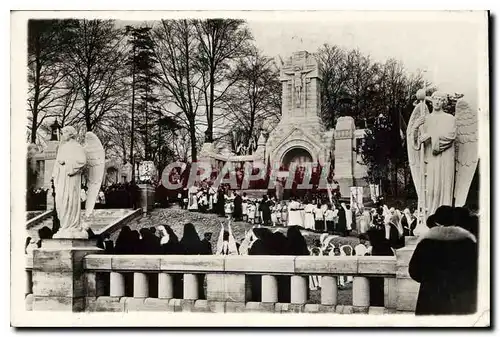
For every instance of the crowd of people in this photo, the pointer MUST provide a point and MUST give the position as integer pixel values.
(444, 262)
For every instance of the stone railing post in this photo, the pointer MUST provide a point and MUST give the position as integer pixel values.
(141, 286)
(58, 274)
(116, 284)
(329, 290)
(269, 289)
(165, 285)
(360, 294)
(406, 288)
(190, 287)
(299, 290)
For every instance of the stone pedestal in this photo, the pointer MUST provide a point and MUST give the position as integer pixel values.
(58, 277)
(344, 155)
(406, 288)
(146, 197)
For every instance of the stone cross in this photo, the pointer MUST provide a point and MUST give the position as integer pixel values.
(298, 71)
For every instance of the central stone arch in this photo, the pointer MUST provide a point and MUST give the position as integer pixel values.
(297, 154)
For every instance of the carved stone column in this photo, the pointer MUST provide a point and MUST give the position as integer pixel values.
(269, 289)
(298, 286)
(329, 290)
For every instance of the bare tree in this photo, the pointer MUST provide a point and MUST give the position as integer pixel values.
(252, 99)
(47, 43)
(221, 42)
(95, 63)
(175, 48)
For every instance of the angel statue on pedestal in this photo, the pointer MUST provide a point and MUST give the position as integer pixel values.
(443, 154)
(71, 160)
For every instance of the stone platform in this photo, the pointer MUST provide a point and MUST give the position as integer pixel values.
(104, 220)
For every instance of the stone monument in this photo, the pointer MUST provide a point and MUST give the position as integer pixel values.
(300, 136)
(300, 132)
(67, 175)
(443, 154)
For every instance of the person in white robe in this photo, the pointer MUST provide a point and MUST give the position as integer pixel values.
(244, 206)
(251, 212)
(70, 160)
(294, 217)
(309, 216)
(364, 221)
(348, 217)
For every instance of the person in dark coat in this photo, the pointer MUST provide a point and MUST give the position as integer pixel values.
(380, 246)
(221, 199)
(207, 246)
(169, 242)
(238, 207)
(264, 207)
(135, 243)
(297, 246)
(342, 222)
(261, 246)
(149, 243)
(190, 244)
(122, 245)
(445, 264)
(408, 222)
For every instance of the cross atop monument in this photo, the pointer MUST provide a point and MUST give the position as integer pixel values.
(299, 76)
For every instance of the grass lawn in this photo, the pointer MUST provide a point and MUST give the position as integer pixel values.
(176, 218)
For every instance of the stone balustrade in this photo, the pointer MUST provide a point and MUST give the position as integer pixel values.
(227, 283)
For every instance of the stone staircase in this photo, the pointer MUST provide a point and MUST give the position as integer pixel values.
(103, 221)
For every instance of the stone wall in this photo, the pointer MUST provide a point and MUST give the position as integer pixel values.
(71, 275)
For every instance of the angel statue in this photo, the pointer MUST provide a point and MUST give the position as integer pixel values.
(71, 159)
(443, 154)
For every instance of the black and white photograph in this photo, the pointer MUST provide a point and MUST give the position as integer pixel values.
(314, 168)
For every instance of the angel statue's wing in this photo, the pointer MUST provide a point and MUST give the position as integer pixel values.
(412, 137)
(466, 151)
(95, 164)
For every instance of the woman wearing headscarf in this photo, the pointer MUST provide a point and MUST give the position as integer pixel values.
(123, 243)
(409, 222)
(393, 232)
(169, 245)
(297, 246)
(169, 242)
(149, 243)
(445, 264)
(261, 246)
(190, 244)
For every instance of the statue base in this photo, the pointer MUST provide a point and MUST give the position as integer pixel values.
(59, 279)
(71, 234)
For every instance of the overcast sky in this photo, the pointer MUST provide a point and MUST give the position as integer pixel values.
(448, 50)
